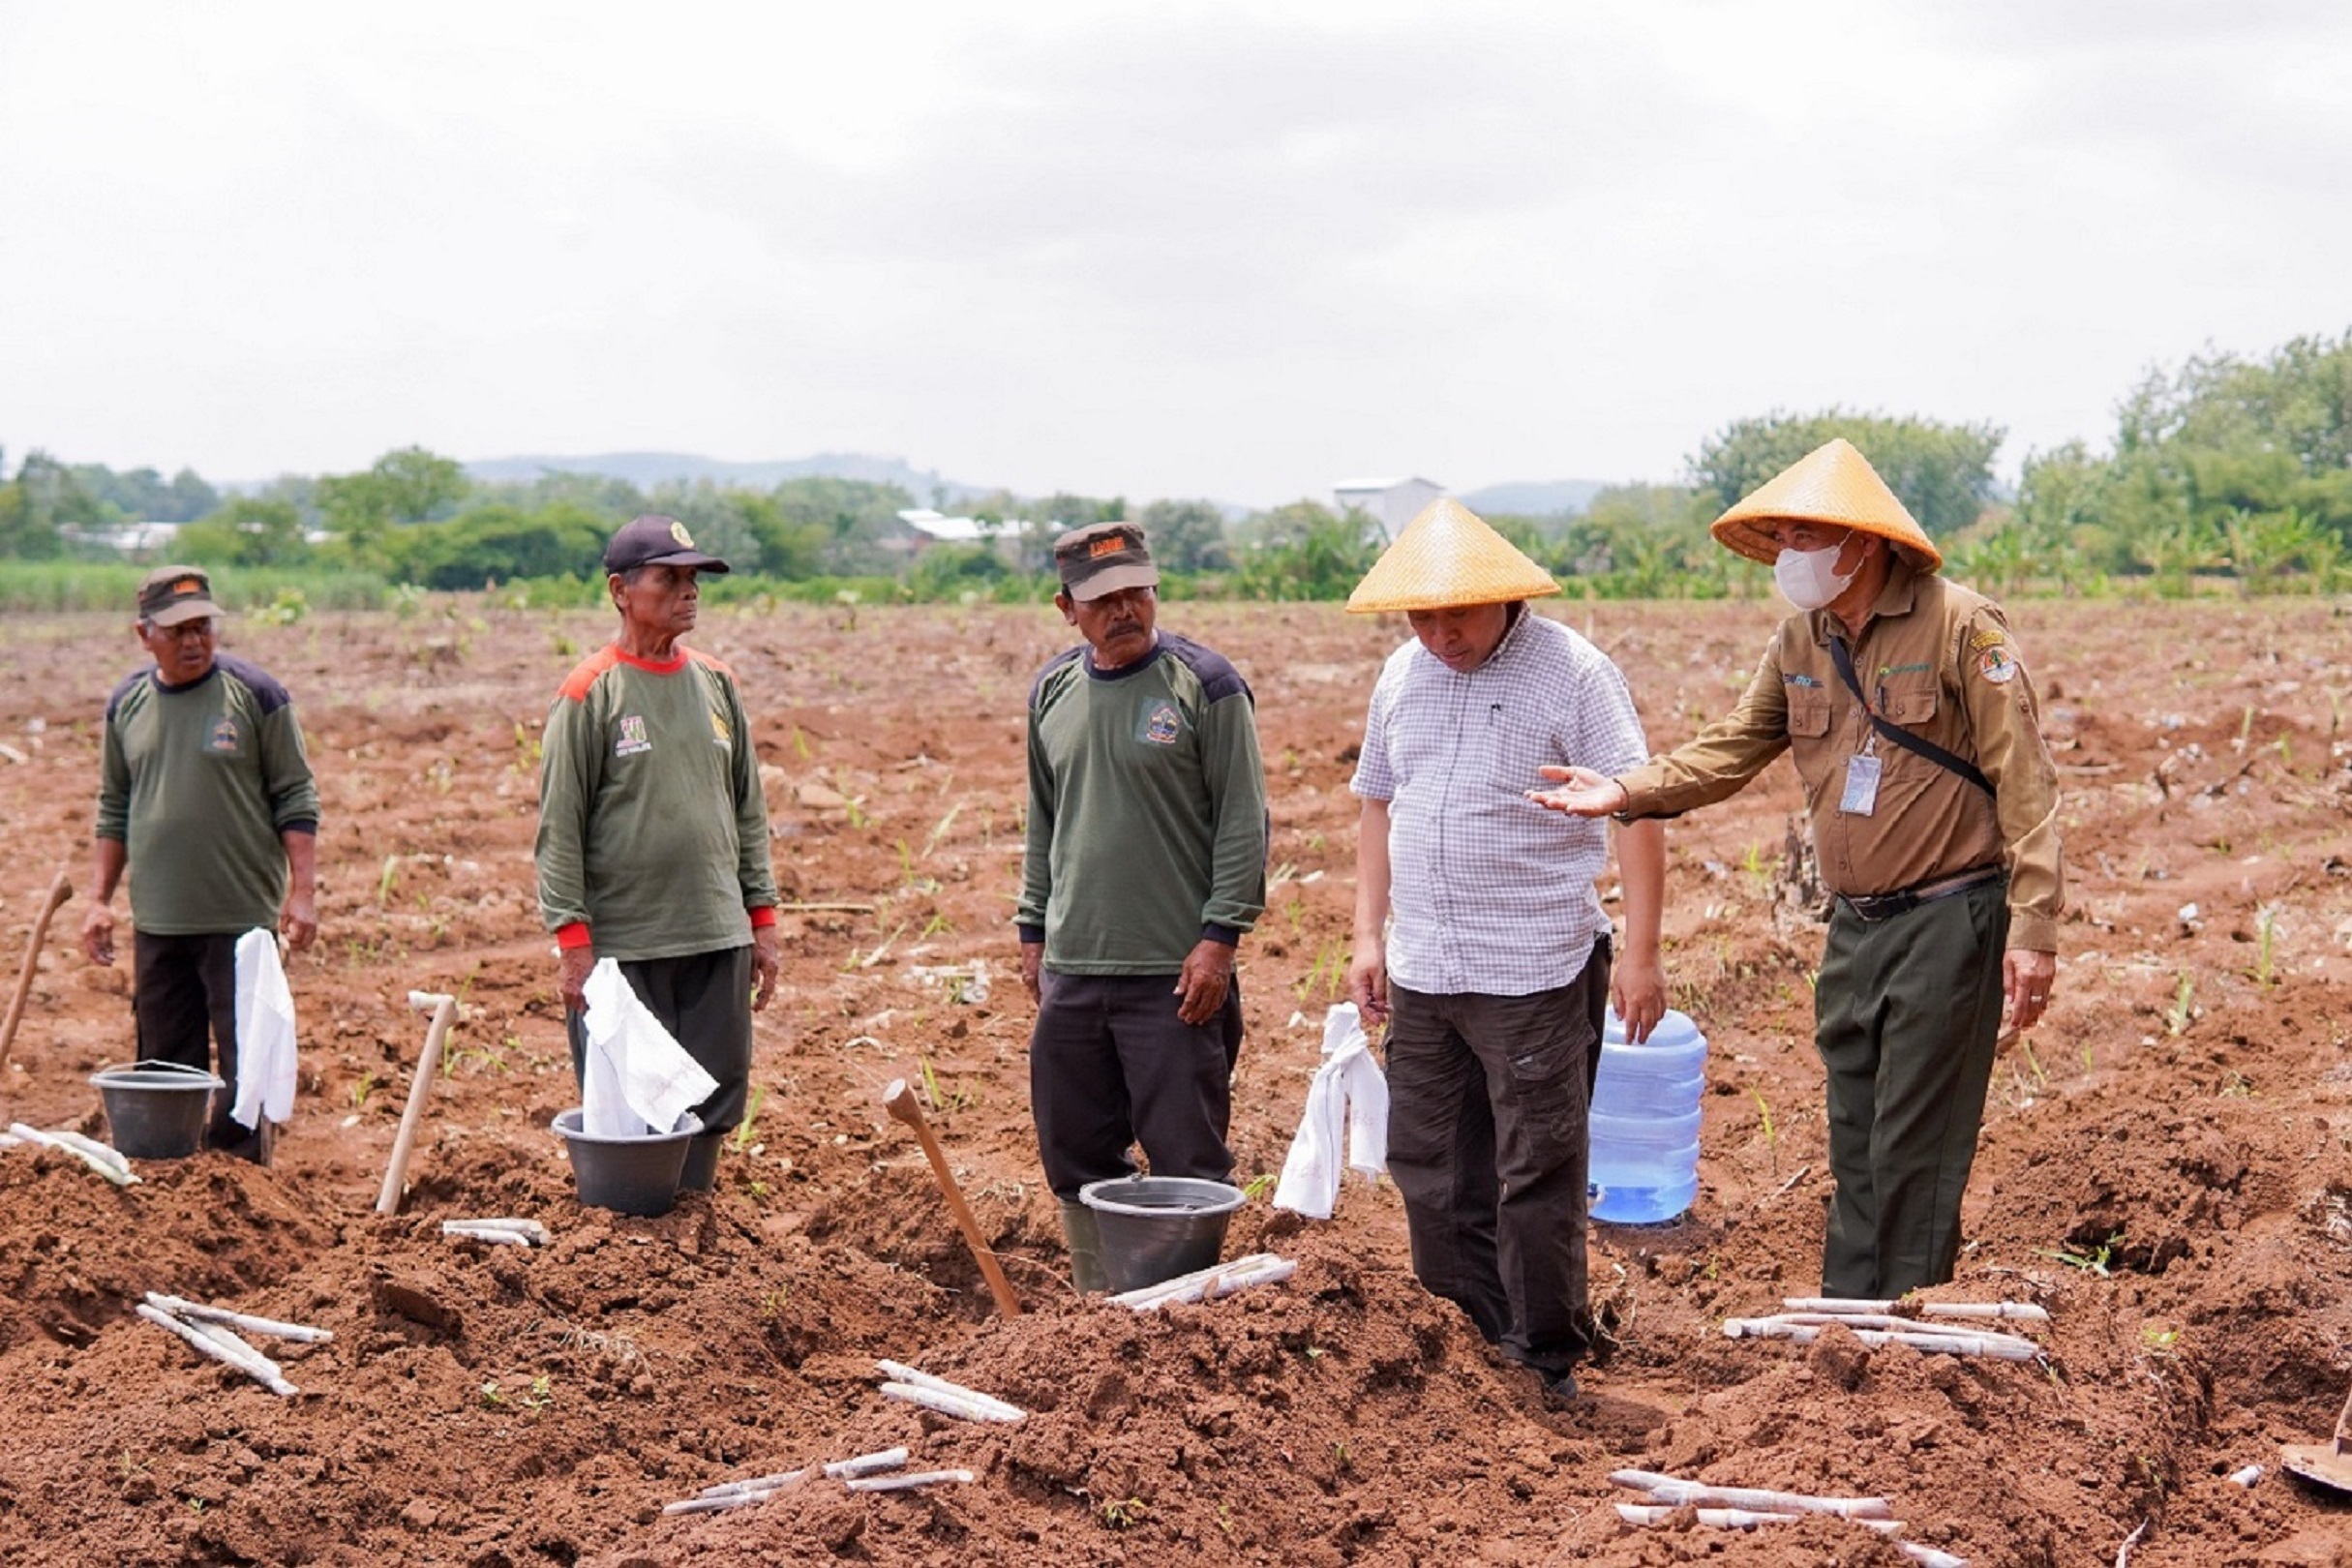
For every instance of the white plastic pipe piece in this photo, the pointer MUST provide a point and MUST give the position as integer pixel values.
(962, 1405)
(721, 1502)
(1997, 1347)
(1757, 1326)
(29, 1134)
(489, 1235)
(758, 1483)
(1258, 1268)
(195, 1312)
(1667, 1489)
(93, 1149)
(222, 1351)
(849, 1469)
(902, 1483)
(899, 1372)
(1215, 1283)
(2017, 1312)
(532, 1228)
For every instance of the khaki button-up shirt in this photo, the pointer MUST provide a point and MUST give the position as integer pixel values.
(1938, 661)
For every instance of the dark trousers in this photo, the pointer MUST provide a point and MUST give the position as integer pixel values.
(1111, 1066)
(184, 1000)
(1489, 1099)
(704, 999)
(1906, 1014)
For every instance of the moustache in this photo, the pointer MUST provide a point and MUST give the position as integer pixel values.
(1124, 628)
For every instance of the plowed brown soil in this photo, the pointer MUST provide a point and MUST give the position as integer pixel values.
(2167, 1163)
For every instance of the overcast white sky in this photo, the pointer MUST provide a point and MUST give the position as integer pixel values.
(1237, 250)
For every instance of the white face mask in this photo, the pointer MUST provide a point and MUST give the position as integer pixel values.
(1809, 578)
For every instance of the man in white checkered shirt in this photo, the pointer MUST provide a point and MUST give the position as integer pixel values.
(1479, 935)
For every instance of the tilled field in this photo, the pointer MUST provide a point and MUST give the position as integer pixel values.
(2167, 1164)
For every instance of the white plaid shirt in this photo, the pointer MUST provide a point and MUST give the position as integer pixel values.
(1489, 893)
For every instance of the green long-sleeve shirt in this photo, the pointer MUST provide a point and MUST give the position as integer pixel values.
(200, 784)
(652, 835)
(1147, 811)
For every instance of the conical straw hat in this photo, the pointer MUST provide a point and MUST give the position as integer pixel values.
(1833, 484)
(1447, 558)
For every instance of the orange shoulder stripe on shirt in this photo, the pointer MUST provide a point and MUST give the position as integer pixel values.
(720, 665)
(584, 676)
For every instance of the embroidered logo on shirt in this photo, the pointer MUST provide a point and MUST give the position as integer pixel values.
(1995, 665)
(1885, 670)
(1162, 725)
(223, 736)
(1986, 639)
(719, 736)
(632, 736)
(1793, 678)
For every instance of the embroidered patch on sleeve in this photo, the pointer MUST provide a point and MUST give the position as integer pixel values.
(1995, 665)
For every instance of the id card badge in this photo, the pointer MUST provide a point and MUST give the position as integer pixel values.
(1861, 796)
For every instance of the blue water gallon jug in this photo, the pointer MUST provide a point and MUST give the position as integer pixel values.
(1645, 1122)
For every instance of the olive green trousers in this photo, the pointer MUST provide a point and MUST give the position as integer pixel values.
(1905, 1013)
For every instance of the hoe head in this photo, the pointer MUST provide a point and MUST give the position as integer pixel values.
(2326, 1464)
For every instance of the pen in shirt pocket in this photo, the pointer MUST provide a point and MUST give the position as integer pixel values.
(1493, 713)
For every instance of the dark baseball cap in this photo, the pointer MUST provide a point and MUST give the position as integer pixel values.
(654, 540)
(173, 595)
(1104, 559)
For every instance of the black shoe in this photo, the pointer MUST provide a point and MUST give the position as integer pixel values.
(1562, 1389)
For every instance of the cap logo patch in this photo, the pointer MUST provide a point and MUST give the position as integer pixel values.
(1110, 544)
(677, 531)
(188, 585)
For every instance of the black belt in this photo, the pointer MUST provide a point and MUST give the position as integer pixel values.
(1903, 900)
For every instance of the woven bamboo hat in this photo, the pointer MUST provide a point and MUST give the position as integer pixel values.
(1833, 484)
(1445, 558)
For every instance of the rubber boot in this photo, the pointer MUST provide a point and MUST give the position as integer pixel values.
(1083, 1231)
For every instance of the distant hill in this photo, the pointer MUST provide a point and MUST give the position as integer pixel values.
(648, 468)
(1534, 497)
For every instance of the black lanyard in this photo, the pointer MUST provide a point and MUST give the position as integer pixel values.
(1899, 736)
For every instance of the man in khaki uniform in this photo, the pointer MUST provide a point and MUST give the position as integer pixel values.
(1904, 701)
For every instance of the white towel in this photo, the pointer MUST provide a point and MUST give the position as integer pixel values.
(638, 1078)
(265, 1032)
(1349, 1095)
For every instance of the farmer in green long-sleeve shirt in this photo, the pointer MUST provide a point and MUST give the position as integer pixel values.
(652, 845)
(205, 794)
(1146, 861)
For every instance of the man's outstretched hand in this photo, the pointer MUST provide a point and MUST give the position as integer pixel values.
(1582, 793)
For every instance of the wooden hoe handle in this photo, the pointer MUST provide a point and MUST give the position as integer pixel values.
(427, 1067)
(60, 890)
(899, 1100)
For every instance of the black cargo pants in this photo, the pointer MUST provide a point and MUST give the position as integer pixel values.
(183, 990)
(704, 999)
(1111, 1066)
(1489, 1105)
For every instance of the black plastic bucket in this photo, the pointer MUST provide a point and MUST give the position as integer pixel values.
(1157, 1227)
(632, 1175)
(157, 1110)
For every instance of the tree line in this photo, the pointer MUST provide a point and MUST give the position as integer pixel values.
(2225, 469)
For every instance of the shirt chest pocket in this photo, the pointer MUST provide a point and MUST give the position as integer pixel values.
(1808, 714)
(1913, 709)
